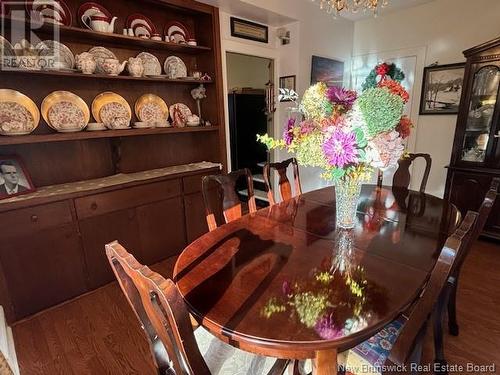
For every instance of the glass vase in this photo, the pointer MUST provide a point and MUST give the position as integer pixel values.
(347, 193)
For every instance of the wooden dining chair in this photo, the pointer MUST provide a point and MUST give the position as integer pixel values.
(228, 197)
(402, 175)
(162, 313)
(484, 213)
(400, 342)
(285, 187)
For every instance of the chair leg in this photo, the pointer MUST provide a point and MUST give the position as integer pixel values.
(439, 360)
(452, 310)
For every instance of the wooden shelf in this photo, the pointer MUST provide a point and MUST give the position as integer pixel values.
(61, 137)
(54, 73)
(113, 38)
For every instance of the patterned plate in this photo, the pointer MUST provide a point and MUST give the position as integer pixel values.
(112, 110)
(175, 67)
(65, 112)
(100, 54)
(55, 55)
(177, 30)
(151, 109)
(51, 11)
(151, 64)
(7, 54)
(19, 115)
(141, 25)
(179, 114)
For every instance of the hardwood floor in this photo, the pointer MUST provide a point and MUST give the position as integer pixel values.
(98, 333)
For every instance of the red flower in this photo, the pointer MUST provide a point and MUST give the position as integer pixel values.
(382, 69)
(404, 127)
(395, 88)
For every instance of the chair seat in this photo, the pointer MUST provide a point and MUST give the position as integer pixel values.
(369, 357)
(224, 359)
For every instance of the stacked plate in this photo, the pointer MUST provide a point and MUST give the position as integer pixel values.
(65, 112)
(141, 25)
(51, 11)
(152, 111)
(112, 110)
(176, 32)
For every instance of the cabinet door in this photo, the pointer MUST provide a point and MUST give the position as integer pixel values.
(43, 269)
(97, 231)
(468, 190)
(162, 230)
(196, 223)
(479, 139)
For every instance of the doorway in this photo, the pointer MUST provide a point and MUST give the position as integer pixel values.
(248, 81)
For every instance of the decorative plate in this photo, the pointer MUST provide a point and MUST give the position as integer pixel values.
(175, 67)
(177, 30)
(7, 53)
(51, 11)
(100, 54)
(151, 64)
(112, 110)
(151, 109)
(88, 9)
(141, 25)
(19, 115)
(179, 114)
(55, 55)
(65, 112)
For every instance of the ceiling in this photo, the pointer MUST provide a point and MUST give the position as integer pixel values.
(394, 5)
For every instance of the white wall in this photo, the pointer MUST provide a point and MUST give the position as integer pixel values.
(444, 28)
(246, 71)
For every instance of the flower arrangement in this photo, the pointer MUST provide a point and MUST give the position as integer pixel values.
(349, 134)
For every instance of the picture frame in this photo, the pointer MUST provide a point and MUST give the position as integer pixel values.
(327, 70)
(249, 30)
(14, 177)
(441, 89)
(288, 83)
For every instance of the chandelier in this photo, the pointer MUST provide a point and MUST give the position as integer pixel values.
(336, 7)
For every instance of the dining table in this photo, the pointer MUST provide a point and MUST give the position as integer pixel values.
(286, 282)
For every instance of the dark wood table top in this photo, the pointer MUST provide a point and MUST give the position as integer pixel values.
(284, 282)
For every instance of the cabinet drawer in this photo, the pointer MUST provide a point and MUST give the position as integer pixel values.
(33, 219)
(192, 184)
(103, 203)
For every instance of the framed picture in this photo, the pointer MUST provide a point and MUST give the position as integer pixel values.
(327, 70)
(249, 30)
(14, 178)
(288, 83)
(441, 89)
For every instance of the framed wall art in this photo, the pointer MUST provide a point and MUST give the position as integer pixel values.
(249, 30)
(327, 70)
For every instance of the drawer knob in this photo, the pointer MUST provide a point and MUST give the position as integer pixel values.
(34, 218)
(93, 206)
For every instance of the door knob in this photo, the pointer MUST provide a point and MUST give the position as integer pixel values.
(497, 135)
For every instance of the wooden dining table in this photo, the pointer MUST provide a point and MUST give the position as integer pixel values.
(285, 282)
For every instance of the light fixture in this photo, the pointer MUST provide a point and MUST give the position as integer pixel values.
(338, 7)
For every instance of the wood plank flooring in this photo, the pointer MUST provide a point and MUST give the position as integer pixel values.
(98, 333)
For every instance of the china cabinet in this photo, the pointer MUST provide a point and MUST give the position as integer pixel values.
(138, 186)
(475, 158)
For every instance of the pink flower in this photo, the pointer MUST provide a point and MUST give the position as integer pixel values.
(385, 150)
(341, 96)
(340, 149)
(288, 133)
(325, 328)
(307, 127)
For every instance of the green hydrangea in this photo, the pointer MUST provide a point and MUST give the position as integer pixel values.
(310, 151)
(315, 105)
(381, 110)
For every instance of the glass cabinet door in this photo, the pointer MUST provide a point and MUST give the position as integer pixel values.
(483, 99)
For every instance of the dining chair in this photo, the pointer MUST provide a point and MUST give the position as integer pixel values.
(285, 186)
(484, 213)
(400, 342)
(228, 197)
(402, 175)
(163, 316)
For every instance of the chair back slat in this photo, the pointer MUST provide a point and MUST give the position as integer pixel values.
(424, 306)
(230, 202)
(402, 175)
(162, 313)
(285, 187)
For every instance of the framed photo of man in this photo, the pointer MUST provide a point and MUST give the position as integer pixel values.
(14, 178)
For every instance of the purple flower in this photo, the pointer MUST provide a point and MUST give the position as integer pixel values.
(340, 149)
(286, 288)
(325, 328)
(288, 133)
(341, 96)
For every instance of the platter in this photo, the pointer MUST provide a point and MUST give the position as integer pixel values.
(19, 115)
(176, 32)
(141, 25)
(65, 112)
(151, 109)
(175, 67)
(112, 110)
(179, 114)
(152, 66)
(55, 55)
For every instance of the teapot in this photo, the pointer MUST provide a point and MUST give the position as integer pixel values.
(86, 63)
(135, 67)
(112, 67)
(98, 21)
